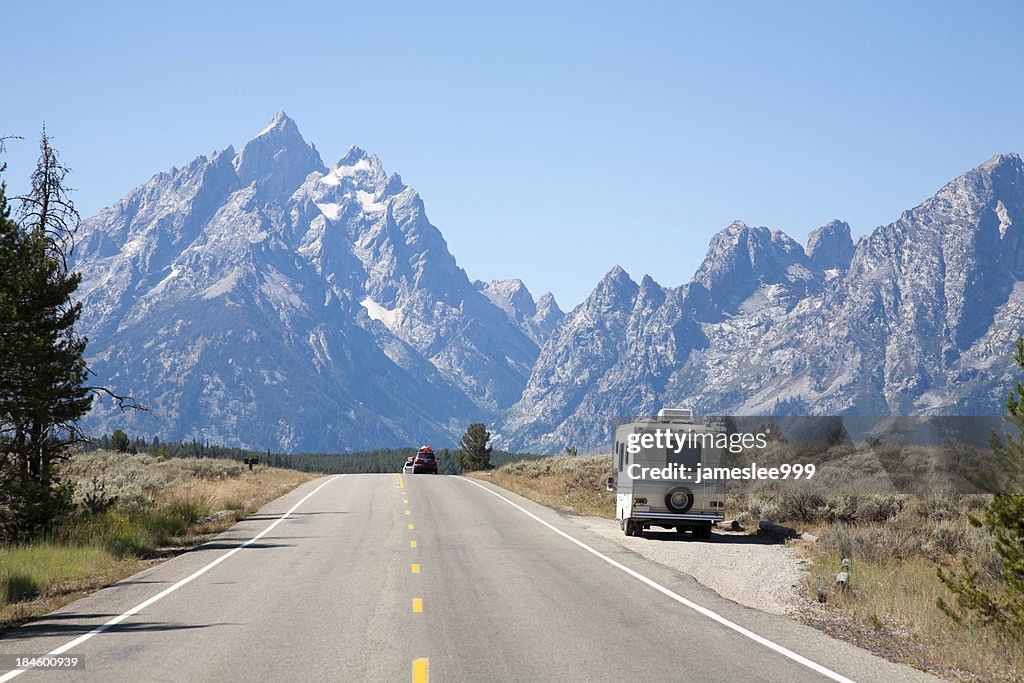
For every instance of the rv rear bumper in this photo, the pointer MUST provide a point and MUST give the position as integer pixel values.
(676, 517)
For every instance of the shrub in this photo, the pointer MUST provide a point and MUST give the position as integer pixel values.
(95, 499)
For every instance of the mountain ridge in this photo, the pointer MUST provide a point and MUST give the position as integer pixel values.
(917, 316)
(262, 298)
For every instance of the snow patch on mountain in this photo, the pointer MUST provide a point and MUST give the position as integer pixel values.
(377, 312)
(329, 209)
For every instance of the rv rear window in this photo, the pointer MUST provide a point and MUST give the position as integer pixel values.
(688, 456)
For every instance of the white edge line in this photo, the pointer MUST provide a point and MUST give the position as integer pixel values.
(675, 596)
(167, 591)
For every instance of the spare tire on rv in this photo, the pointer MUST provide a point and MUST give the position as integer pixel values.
(679, 499)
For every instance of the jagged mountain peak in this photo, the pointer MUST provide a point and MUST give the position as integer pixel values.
(394, 184)
(649, 293)
(353, 155)
(978, 188)
(747, 242)
(648, 282)
(281, 133)
(735, 227)
(363, 171)
(280, 122)
(537, 319)
(548, 310)
(547, 299)
(509, 292)
(226, 153)
(617, 276)
(740, 259)
(830, 246)
(835, 224)
(1001, 161)
(615, 290)
(277, 159)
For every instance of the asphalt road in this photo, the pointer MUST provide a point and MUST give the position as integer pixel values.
(391, 578)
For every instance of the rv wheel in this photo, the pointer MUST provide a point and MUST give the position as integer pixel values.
(679, 499)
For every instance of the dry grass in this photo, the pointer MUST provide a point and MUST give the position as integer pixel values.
(567, 483)
(896, 544)
(144, 509)
(145, 481)
(891, 610)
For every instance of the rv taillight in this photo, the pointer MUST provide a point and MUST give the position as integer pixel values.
(639, 501)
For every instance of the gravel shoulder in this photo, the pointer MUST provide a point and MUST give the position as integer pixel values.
(747, 569)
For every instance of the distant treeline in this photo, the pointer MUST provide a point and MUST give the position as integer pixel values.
(361, 462)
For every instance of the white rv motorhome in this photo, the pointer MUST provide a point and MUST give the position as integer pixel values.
(670, 444)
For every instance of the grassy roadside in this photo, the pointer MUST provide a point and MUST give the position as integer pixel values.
(574, 484)
(133, 511)
(895, 542)
(890, 607)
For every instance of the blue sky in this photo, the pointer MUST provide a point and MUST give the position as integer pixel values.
(550, 141)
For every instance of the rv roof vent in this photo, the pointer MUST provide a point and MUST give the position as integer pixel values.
(683, 414)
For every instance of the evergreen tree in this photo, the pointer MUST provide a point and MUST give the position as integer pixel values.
(119, 441)
(999, 603)
(474, 453)
(42, 368)
(10, 255)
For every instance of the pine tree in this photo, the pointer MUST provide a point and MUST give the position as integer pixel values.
(120, 442)
(9, 295)
(1000, 603)
(474, 453)
(42, 366)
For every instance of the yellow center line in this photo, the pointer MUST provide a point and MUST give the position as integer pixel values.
(417, 605)
(407, 512)
(405, 501)
(412, 544)
(415, 568)
(410, 527)
(421, 670)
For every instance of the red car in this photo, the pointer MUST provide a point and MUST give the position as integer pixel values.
(424, 461)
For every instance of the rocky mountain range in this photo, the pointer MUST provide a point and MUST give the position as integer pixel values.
(261, 298)
(917, 317)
